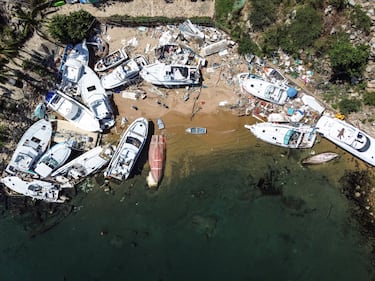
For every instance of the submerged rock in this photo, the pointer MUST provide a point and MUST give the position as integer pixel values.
(205, 225)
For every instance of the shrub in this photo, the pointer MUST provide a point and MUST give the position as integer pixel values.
(247, 46)
(369, 98)
(348, 106)
(360, 19)
(263, 13)
(338, 4)
(71, 28)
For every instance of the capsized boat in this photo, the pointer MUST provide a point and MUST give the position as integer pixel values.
(95, 98)
(196, 130)
(156, 158)
(348, 137)
(55, 157)
(320, 158)
(128, 150)
(124, 73)
(176, 75)
(30, 147)
(37, 189)
(73, 111)
(284, 135)
(84, 165)
(111, 60)
(274, 93)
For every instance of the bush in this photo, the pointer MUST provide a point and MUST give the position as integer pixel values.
(369, 98)
(247, 46)
(348, 106)
(360, 19)
(72, 28)
(347, 61)
(263, 13)
(338, 4)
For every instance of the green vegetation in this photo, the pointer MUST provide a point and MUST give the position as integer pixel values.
(263, 13)
(348, 106)
(247, 46)
(338, 4)
(360, 19)
(4, 133)
(369, 98)
(71, 28)
(347, 61)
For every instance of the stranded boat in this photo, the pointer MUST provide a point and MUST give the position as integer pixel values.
(196, 130)
(37, 189)
(111, 60)
(156, 158)
(348, 137)
(174, 75)
(73, 111)
(284, 135)
(320, 158)
(31, 146)
(268, 91)
(128, 150)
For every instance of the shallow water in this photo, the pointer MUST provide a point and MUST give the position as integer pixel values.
(208, 221)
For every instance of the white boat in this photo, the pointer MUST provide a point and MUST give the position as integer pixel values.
(320, 158)
(84, 165)
(37, 189)
(95, 98)
(128, 150)
(284, 135)
(73, 111)
(55, 157)
(274, 75)
(111, 60)
(124, 73)
(268, 91)
(190, 31)
(174, 75)
(30, 147)
(173, 53)
(196, 130)
(73, 67)
(348, 137)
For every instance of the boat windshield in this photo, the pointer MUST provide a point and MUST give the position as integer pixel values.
(134, 141)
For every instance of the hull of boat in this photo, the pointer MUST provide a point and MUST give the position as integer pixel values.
(111, 60)
(320, 158)
(32, 144)
(84, 165)
(128, 150)
(284, 135)
(54, 158)
(156, 157)
(348, 137)
(73, 111)
(37, 189)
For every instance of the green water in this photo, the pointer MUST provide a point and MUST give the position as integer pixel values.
(208, 221)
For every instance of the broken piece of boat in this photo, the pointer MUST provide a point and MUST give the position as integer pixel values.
(320, 158)
(173, 53)
(30, 147)
(37, 189)
(111, 60)
(128, 150)
(73, 111)
(190, 31)
(176, 75)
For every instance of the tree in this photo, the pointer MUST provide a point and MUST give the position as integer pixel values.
(347, 61)
(263, 13)
(72, 28)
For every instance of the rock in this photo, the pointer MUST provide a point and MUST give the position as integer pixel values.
(357, 194)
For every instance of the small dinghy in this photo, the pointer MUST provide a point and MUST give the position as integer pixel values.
(196, 130)
(111, 60)
(320, 158)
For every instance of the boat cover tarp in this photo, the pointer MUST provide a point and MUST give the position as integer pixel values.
(292, 92)
(287, 136)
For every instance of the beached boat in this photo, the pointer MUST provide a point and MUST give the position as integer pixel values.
(55, 157)
(268, 91)
(196, 130)
(173, 53)
(348, 137)
(160, 74)
(73, 111)
(160, 124)
(274, 75)
(111, 60)
(30, 147)
(190, 31)
(37, 189)
(320, 158)
(124, 73)
(284, 135)
(73, 66)
(156, 157)
(95, 98)
(128, 150)
(84, 165)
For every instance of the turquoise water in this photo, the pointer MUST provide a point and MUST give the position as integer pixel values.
(210, 221)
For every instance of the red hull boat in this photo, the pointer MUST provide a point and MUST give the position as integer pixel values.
(156, 157)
